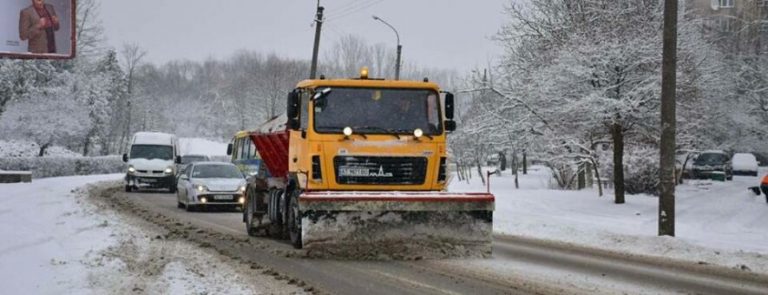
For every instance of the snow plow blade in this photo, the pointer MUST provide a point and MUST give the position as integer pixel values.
(396, 225)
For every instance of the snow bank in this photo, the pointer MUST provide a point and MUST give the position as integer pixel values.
(53, 167)
(717, 222)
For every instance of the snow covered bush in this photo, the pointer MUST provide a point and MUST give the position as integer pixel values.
(641, 171)
(24, 149)
(54, 167)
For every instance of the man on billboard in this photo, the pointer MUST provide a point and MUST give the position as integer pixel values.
(37, 24)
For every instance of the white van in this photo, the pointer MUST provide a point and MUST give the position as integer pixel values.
(151, 161)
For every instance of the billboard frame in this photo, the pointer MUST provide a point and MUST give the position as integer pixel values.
(73, 46)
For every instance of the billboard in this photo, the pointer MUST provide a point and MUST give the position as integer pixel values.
(42, 29)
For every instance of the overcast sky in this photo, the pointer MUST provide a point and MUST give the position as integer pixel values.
(435, 33)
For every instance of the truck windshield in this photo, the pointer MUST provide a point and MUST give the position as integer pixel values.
(377, 111)
(149, 152)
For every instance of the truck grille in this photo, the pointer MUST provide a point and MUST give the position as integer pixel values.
(380, 170)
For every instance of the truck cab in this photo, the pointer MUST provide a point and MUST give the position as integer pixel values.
(368, 135)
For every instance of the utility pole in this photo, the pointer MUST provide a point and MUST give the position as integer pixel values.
(399, 46)
(668, 121)
(316, 48)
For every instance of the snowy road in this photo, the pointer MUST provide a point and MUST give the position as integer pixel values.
(518, 266)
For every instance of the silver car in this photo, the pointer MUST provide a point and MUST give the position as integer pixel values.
(206, 184)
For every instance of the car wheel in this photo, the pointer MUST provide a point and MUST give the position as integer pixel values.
(180, 205)
(191, 208)
(128, 188)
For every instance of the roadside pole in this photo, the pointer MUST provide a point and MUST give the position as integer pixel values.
(316, 47)
(668, 121)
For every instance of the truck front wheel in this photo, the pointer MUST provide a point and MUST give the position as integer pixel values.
(294, 220)
(250, 227)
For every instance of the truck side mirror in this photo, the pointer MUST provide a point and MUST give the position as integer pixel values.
(450, 125)
(293, 104)
(125, 158)
(449, 106)
(229, 149)
(178, 159)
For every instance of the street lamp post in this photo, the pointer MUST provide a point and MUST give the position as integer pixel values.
(399, 47)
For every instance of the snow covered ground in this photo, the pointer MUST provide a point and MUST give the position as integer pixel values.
(53, 241)
(717, 222)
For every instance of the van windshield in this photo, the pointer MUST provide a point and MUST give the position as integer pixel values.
(149, 152)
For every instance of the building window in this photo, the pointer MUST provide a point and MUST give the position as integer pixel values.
(726, 3)
(726, 24)
(762, 3)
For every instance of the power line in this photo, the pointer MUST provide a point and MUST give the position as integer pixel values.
(358, 9)
(349, 7)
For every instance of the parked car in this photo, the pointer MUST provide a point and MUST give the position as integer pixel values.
(205, 184)
(710, 164)
(744, 164)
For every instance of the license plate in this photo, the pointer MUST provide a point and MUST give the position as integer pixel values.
(354, 171)
(222, 197)
(149, 180)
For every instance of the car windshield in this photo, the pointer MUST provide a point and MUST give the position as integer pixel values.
(711, 159)
(377, 111)
(149, 152)
(192, 159)
(216, 171)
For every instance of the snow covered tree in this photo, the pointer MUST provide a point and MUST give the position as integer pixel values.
(47, 115)
(581, 75)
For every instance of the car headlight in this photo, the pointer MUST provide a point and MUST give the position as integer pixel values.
(168, 170)
(131, 169)
(241, 189)
(201, 188)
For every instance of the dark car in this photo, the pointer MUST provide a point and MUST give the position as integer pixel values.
(189, 159)
(713, 164)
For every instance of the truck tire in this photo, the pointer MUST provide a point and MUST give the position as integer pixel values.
(294, 220)
(248, 211)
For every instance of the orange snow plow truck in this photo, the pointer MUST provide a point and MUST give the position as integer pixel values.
(358, 168)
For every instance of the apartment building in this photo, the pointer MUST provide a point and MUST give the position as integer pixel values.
(740, 25)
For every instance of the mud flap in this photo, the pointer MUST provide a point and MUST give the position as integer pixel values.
(396, 225)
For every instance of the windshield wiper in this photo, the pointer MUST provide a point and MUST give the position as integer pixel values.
(393, 132)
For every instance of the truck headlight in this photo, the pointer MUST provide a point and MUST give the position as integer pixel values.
(169, 170)
(131, 170)
(418, 133)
